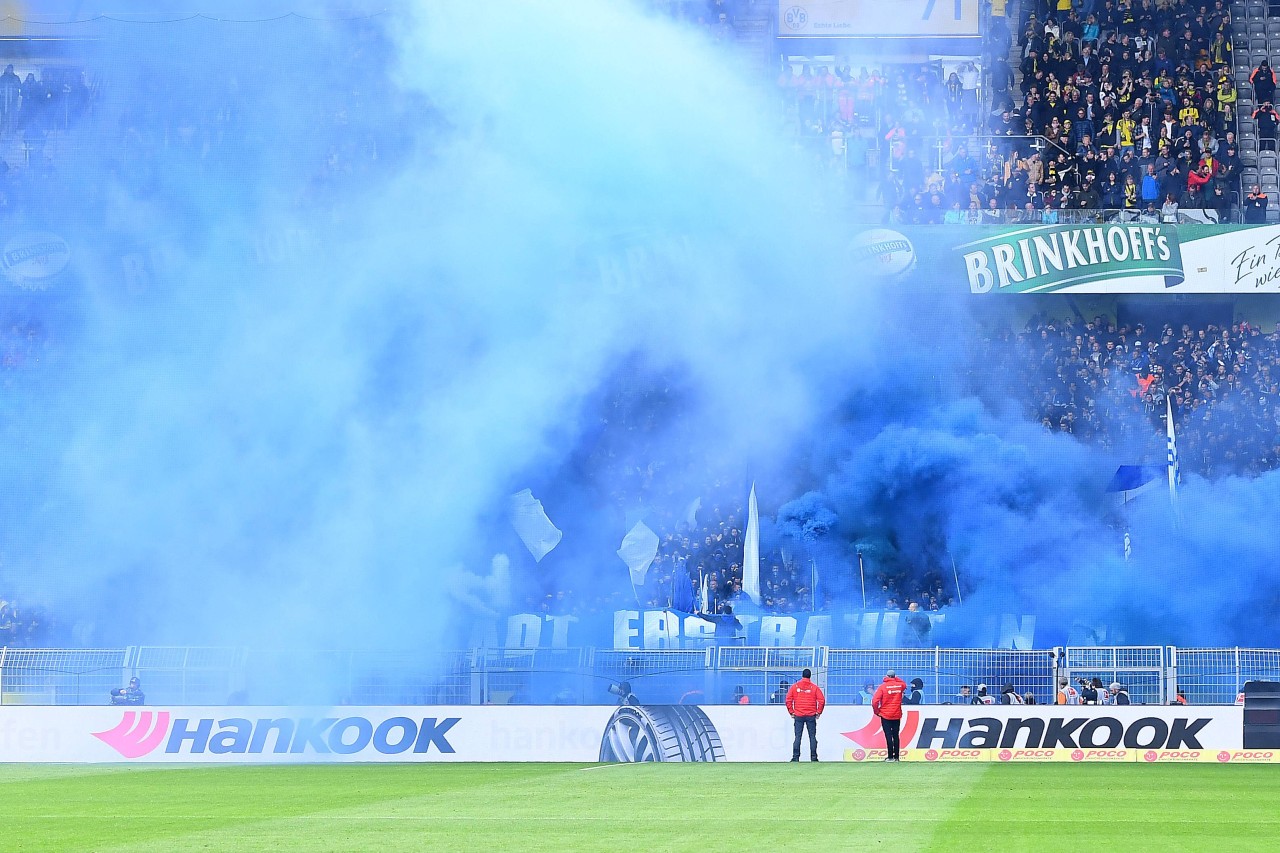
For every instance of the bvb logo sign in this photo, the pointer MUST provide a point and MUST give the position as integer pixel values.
(796, 17)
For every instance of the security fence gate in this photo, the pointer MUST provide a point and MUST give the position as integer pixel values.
(574, 676)
(1141, 669)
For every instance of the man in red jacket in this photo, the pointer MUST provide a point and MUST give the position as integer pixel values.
(805, 702)
(887, 705)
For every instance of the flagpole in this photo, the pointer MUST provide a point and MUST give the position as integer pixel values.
(813, 585)
(955, 574)
(862, 573)
(1173, 461)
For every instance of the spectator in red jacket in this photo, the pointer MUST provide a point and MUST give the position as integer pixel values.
(805, 702)
(1197, 178)
(887, 705)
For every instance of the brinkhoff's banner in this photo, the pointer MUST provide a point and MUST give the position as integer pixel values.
(616, 733)
(1086, 258)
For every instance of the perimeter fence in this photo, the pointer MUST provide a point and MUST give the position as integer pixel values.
(573, 676)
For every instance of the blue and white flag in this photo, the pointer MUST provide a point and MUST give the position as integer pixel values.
(691, 513)
(1173, 460)
(751, 550)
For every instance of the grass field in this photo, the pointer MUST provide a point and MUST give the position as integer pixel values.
(653, 807)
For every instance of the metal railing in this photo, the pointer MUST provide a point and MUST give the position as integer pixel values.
(1189, 216)
(570, 676)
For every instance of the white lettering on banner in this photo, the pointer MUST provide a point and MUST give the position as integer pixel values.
(696, 628)
(1016, 633)
(661, 629)
(560, 630)
(1212, 260)
(625, 630)
(668, 629)
(777, 631)
(817, 631)
(980, 278)
(1147, 734)
(17, 736)
(524, 631)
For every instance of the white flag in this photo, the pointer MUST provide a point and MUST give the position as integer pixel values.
(639, 547)
(530, 520)
(1173, 460)
(691, 513)
(751, 550)
(705, 604)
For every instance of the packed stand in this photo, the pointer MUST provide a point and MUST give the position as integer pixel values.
(1105, 106)
(1108, 384)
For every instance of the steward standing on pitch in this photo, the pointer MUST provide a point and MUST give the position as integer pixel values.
(887, 705)
(805, 701)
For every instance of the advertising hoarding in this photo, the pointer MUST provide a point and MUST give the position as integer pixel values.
(251, 734)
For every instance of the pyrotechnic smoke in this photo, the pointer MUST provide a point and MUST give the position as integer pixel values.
(346, 287)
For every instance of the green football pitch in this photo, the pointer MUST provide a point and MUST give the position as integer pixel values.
(652, 807)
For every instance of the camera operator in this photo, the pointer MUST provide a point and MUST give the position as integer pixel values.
(130, 695)
(1092, 692)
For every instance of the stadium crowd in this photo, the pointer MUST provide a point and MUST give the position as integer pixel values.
(1110, 105)
(1108, 384)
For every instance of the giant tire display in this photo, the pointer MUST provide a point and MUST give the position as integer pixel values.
(660, 733)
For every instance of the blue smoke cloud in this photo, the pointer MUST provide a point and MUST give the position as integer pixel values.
(342, 288)
(336, 299)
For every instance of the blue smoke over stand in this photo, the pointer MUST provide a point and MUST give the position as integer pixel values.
(341, 287)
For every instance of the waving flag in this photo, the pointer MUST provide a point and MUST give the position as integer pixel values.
(1173, 460)
(691, 513)
(530, 520)
(682, 591)
(638, 549)
(751, 550)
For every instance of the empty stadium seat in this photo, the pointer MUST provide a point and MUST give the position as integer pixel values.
(1257, 28)
(1248, 177)
(1256, 10)
(1273, 215)
(1238, 11)
(1247, 127)
(1248, 159)
(1258, 44)
(1273, 28)
(1267, 161)
(1242, 76)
